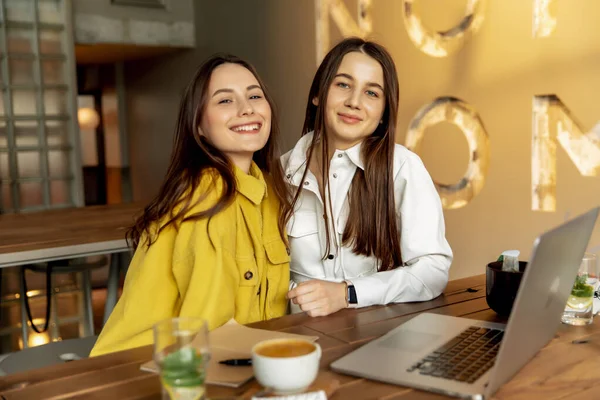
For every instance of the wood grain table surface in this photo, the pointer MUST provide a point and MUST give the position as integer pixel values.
(64, 233)
(561, 370)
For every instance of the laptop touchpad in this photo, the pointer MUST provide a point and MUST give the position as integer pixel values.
(407, 340)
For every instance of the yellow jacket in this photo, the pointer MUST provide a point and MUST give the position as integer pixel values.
(233, 265)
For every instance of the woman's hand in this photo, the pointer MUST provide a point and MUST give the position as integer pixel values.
(319, 298)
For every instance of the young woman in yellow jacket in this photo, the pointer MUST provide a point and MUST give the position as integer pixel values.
(212, 243)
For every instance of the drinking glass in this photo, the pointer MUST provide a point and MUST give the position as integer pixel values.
(181, 353)
(579, 308)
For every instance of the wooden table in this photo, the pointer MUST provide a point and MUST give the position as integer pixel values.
(66, 233)
(562, 370)
(69, 233)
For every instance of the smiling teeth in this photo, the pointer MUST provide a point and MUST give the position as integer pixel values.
(254, 127)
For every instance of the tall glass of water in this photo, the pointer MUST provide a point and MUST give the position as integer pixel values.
(181, 353)
(580, 305)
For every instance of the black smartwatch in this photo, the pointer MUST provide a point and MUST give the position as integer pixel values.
(352, 294)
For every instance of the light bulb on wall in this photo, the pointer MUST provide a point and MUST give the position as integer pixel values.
(88, 118)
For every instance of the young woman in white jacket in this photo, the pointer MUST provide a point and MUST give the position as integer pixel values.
(366, 225)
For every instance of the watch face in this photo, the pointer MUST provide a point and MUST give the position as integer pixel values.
(352, 295)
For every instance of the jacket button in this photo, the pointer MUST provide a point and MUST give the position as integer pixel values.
(288, 250)
(248, 275)
(330, 256)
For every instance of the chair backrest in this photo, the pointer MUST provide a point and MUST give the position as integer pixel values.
(46, 355)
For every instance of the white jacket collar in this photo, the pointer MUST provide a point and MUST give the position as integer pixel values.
(296, 158)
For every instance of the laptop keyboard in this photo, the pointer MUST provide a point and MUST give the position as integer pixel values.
(464, 358)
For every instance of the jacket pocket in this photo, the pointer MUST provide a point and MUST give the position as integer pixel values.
(303, 224)
(305, 246)
(357, 265)
(277, 252)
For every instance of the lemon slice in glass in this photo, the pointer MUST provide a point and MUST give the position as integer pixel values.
(579, 303)
(185, 393)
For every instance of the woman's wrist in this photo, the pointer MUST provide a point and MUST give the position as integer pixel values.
(345, 284)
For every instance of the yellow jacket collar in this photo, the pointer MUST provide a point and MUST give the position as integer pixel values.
(252, 184)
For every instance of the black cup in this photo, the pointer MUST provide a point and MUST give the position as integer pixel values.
(501, 287)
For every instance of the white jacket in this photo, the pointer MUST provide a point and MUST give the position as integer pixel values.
(425, 251)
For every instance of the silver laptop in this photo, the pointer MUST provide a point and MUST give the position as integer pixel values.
(437, 353)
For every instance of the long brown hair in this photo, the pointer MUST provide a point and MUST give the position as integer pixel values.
(193, 155)
(372, 228)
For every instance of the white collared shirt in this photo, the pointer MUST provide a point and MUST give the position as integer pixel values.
(426, 253)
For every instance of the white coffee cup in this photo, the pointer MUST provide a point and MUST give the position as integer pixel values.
(278, 369)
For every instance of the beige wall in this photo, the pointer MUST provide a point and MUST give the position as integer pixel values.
(498, 72)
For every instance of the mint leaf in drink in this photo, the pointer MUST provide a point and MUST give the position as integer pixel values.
(581, 288)
(583, 291)
(183, 368)
(580, 280)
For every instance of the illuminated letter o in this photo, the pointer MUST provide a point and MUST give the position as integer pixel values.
(461, 114)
